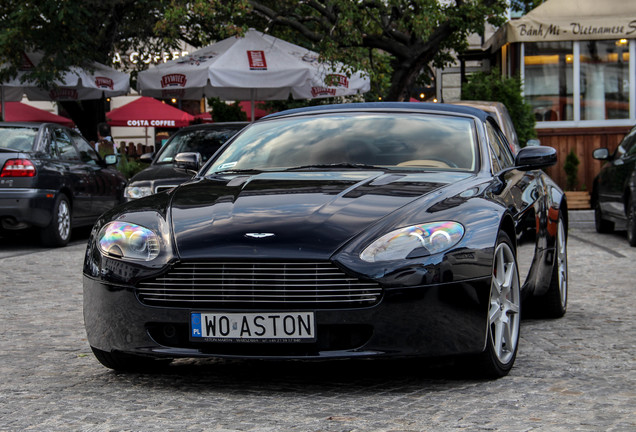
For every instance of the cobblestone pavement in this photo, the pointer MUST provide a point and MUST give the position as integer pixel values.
(572, 374)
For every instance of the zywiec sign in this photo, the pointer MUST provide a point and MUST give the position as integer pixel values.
(104, 82)
(323, 91)
(337, 80)
(173, 80)
(144, 123)
(63, 94)
(257, 60)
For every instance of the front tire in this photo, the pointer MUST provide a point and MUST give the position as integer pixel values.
(603, 226)
(504, 314)
(555, 300)
(58, 232)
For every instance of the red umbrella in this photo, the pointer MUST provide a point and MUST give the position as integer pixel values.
(246, 106)
(19, 112)
(148, 112)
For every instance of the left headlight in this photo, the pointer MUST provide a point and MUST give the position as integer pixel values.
(135, 192)
(128, 241)
(414, 241)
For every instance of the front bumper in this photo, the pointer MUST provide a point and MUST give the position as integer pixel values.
(436, 320)
(23, 207)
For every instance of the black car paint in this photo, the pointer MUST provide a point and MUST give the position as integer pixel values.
(435, 305)
(616, 183)
(92, 188)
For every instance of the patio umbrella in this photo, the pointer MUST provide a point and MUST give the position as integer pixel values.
(256, 66)
(148, 112)
(19, 112)
(78, 83)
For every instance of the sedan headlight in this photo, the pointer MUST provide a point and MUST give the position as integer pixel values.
(414, 241)
(128, 241)
(135, 192)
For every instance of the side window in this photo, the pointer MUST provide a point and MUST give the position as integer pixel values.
(87, 153)
(499, 148)
(64, 146)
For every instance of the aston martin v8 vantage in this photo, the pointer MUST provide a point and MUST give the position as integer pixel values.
(341, 231)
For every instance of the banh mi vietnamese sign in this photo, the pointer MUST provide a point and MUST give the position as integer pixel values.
(528, 29)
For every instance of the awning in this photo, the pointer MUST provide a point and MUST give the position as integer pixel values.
(20, 112)
(148, 112)
(570, 20)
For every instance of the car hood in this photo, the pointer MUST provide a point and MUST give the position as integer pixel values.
(289, 215)
(161, 172)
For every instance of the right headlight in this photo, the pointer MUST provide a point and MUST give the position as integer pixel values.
(135, 192)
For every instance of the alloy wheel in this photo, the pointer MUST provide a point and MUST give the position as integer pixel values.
(505, 301)
(63, 219)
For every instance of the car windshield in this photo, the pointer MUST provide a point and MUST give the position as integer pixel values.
(401, 141)
(17, 138)
(203, 141)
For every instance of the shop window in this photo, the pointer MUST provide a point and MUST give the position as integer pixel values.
(604, 80)
(548, 82)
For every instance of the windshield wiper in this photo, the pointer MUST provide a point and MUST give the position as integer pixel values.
(336, 165)
(237, 171)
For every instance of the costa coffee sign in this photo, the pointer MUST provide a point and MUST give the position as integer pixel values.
(173, 80)
(337, 80)
(104, 82)
(257, 60)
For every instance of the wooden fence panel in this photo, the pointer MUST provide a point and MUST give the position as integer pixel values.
(582, 141)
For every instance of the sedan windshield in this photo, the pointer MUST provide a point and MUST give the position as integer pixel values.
(203, 141)
(354, 141)
(17, 138)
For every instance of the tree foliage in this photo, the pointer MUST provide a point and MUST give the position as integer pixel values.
(395, 40)
(507, 90)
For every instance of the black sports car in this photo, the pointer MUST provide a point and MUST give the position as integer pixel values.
(614, 189)
(361, 230)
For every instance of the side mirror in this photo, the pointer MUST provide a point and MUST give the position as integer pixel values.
(536, 157)
(190, 161)
(146, 157)
(601, 154)
(110, 159)
(533, 143)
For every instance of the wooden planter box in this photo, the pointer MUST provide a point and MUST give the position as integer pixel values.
(578, 200)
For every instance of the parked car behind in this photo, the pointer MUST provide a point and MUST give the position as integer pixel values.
(500, 113)
(614, 188)
(163, 173)
(53, 180)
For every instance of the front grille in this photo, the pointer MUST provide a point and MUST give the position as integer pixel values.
(250, 285)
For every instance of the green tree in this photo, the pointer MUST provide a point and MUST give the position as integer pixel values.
(223, 112)
(571, 168)
(507, 90)
(76, 33)
(394, 40)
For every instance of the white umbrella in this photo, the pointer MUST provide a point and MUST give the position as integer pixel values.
(76, 84)
(254, 67)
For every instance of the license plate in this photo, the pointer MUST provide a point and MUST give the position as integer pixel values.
(280, 327)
